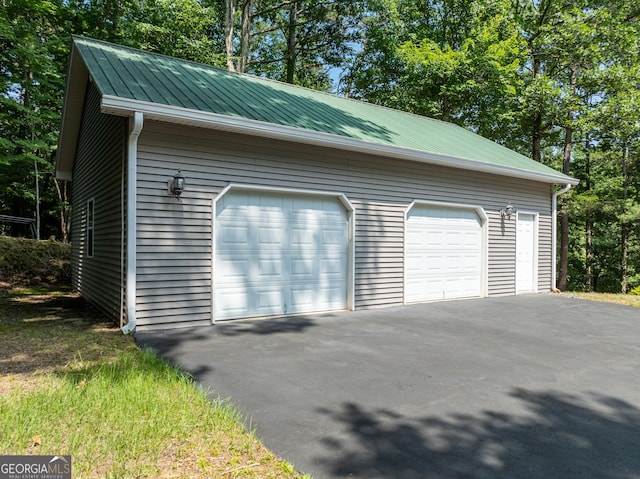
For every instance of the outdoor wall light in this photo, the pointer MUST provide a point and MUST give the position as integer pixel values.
(176, 184)
(507, 211)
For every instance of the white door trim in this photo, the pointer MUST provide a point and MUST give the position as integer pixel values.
(536, 221)
(350, 209)
(484, 223)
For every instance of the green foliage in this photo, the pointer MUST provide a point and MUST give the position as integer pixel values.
(31, 262)
(32, 66)
(635, 291)
(182, 28)
(299, 42)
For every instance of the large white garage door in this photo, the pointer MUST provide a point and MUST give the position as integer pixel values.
(279, 253)
(443, 253)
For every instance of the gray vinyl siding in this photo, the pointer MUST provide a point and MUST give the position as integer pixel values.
(97, 174)
(175, 236)
(544, 247)
(502, 254)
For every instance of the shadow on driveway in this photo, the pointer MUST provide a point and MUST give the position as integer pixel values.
(564, 437)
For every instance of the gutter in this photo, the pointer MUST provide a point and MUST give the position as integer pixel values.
(554, 230)
(135, 127)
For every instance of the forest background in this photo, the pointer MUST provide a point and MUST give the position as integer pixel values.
(556, 80)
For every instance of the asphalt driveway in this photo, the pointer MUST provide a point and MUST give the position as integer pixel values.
(539, 386)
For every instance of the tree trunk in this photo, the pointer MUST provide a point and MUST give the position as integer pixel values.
(536, 145)
(229, 17)
(566, 169)
(624, 260)
(564, 252)
(63, 198)
(624, 240)
(292, 41)
(536, 150)
(247, 12)
(588, 249)
(588, 226)
(35, 165)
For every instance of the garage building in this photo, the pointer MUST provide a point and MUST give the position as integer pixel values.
(202, 195)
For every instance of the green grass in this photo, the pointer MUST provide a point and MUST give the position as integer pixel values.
(72, 384)
(618, 298)
(133, 407)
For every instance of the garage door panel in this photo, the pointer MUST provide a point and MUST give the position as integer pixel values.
(268, 269)
(235, 235)
(444, 253)
(269, 300)
(232, 271)
(271, 235)
(332, 268)
(303, 297)
(302, 269)
(232, 302)
(333, 237)
(430, 290)
(434, 239)
(301, 236)
(461, 287)
(289, 255)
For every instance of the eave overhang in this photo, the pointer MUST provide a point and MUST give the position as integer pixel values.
(172, 114)
(75, 91)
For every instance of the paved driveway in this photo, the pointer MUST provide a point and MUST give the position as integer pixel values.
(538, 386)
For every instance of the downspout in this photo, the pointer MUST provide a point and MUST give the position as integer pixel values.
(135, 127)
(554, 231)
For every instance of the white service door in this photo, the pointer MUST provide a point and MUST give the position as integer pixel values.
(278, 254)
(443, 253)
(526, 253)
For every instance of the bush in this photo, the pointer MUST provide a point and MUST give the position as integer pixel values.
(635, 291)
(26, 262)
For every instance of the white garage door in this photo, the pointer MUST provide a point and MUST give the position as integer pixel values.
(526, 261)
(278, 254)
(443, 253)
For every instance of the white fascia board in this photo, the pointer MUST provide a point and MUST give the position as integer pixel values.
(184, 116)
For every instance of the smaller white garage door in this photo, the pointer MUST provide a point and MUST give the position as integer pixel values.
(526, 254)
(444, 253)
(279, 253)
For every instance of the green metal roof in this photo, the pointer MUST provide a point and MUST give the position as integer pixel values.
(132, 74)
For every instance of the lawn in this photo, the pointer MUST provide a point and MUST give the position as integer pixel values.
(71, 383)
(626, 299)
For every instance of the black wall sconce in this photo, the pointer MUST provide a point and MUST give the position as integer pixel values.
(176, 184)
(507, 211)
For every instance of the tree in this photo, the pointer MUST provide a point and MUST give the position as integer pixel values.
(619, 133)
(455, 61)
(32, 62)
(300, 41)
